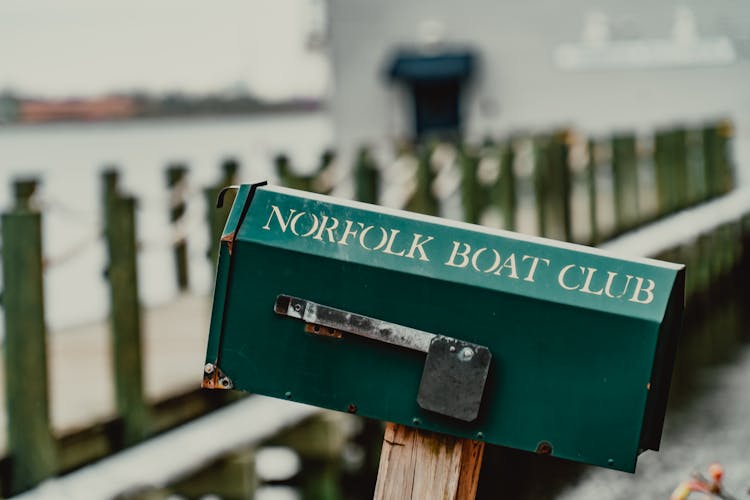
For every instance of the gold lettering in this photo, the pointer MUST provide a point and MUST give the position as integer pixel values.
(455, 253)
(389, 247)
(649, 291)
(561, 277)
(586, 288)
(532, 269)
(348, 232)
(275, 211)
(381, 243)
(328, 229)
(416, 245)
(608, 287)
(510, 263)
(294, 220)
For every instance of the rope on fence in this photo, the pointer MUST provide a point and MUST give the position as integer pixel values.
(73, 251)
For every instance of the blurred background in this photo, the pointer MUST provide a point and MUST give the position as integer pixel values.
(620, 124)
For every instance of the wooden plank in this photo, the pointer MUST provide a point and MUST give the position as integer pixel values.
(126, 319)
(30, 445)
(419, 464)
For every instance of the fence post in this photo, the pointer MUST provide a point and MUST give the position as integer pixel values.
(470, 196)
(552, 180)
(176, 182)
(625, 180)
(125, 314)
(424, 200)
(366, 177)
(541, 181)
(591, 179)
(229, 169)
(30, 443)
(679, 147)
(717, 168)
(506, 187)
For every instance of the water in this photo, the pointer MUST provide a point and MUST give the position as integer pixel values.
(69, 157)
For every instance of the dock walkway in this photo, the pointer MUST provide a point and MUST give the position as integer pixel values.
(80, 366)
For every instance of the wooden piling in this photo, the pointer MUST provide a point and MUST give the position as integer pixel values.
(625, 181)
(680, 167)
(552, 186)
(125, 319)
(319, 442)
(591, 179)
(541, 182)
(30, 443)
(506, 187)
(423, 201)
(717, 166)
(176, 179)
(470, 195)
(416, 464)
(229, 169)
(366, 177)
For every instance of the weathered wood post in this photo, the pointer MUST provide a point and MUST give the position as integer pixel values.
(625, 181)
(424, 200)
(552, 181)
(177, 183)
(366, 177)
(678, 141)
(30, 443)
(125, 313)
(717, 167)
(505, 190)
(470, 195)
(591, 180)
(662, 173)
(416, 464)
(541, 181)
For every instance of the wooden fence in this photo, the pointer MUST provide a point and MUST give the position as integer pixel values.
(560, 183)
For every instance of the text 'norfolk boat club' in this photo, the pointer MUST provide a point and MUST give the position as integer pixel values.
(570, 277)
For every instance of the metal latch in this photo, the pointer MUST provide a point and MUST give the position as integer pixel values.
(455, 371)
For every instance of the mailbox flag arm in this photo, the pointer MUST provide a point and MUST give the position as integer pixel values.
(318, 314)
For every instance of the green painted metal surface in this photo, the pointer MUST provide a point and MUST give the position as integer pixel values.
(582, 342)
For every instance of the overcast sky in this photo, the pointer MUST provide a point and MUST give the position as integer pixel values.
(77, 47)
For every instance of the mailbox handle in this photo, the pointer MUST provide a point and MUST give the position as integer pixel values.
(364, 326)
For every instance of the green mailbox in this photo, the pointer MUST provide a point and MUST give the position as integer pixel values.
(514, 340)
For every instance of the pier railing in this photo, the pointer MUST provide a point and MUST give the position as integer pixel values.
(560, 185)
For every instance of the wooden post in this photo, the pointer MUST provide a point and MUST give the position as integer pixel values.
(716, 165)
(416, 464)
(662, 173)
(625, 180)
(469, 185)
(552, 177)
(507, 185)
(591, 179)
(30, 443)
(424, 200)
(176, 174)
(680, 167)
(366, 177)
(541, 182)
(229, 169)
(125, 318)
